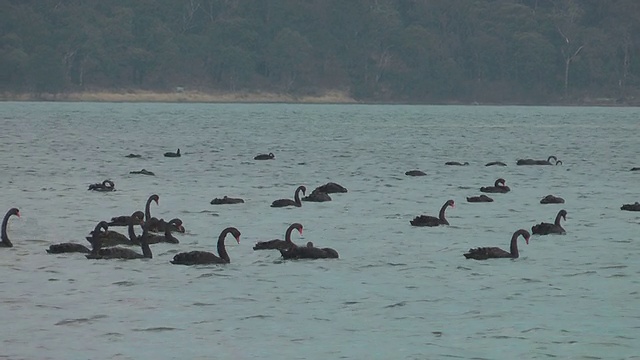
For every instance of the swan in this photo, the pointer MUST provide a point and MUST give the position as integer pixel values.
(121, 253)
(415, 173)
(277, 243)
(5, 239)
(456, 163)
(113, 238)
(539, 162)
(143, 172)
(498, 187)
(74, 247)
(204, 257)
(483, 253)
(289, 202)
(631, 207)
(317, 196)
(268, 156)
(550, 199)
(226, 201)
(168, 228)
(172, 154)
(309, 252)
(547, 228)
(481, 198)
(106, 185)
(495, 163)
(330, 188)
(424, 220)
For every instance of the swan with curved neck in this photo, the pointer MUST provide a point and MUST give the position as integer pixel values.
(113, 238)
(547, 228)
(268, 156)
(5, 238)
(498, 187)
(97, 252)
(205, 257)
(277, 243)
(288, 202)
(424, 220)
(483, 253)
(106, 185)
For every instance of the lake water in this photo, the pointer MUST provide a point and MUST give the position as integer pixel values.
(397, 291)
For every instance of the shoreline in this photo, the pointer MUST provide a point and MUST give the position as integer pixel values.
(193, 96)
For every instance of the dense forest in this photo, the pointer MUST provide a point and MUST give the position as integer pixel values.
(418, 51)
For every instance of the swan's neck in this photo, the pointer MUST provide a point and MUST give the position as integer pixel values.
(222, 251)
(558, 217)
(514, 246)
(132, 234)
(287, 235)
(442, 210)
(296, 197)
(147, 210)
(146, 250)
(5, 238)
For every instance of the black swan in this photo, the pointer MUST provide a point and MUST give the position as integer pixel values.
(73, 247)
(268, 156)
(309, 252)
(172, 154)
(5, 239)
(550, 199)
(635, 169)
(121, 253)
(168, 228)
(278, 244)
(159, 226)
(289, 202)
(481, 198)
(330, 188)
(415, 173)
(143, 172)
(204, 257)
(547, 228)
(226, 201)
(424, 220)
(498, 187)
(106, 185)
(495, 163)
(539, 162)
(133, 156)
(124, 220)
(113, 238)
(317, 196)
(456, 163)
(631, 207)
(147, 209)
(483, 253)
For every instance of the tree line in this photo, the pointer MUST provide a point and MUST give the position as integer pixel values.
(422, 51)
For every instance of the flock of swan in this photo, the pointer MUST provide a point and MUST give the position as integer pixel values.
(108, 244)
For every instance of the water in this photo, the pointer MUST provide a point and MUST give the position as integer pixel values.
(397, 291)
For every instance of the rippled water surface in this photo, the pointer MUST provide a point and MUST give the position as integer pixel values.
(397, 291)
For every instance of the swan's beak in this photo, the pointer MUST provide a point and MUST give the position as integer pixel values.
(181, 228)
(300, 231)
(526, 240)
(238, 239)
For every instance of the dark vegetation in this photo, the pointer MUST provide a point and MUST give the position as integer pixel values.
(422, 51)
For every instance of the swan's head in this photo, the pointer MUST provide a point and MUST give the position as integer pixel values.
(155, 198)
(309, 244)
(563, 213)
(499, 182)
(138, 217)
(271, 156)
(451, 203)
(178, 224)
(13, 211)
(236, 234)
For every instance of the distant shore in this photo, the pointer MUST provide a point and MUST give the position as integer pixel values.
(186, 96)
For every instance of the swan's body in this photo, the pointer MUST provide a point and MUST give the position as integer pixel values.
(106, 185)
(415, 173)
(540, 162)
(278, 244)
(133, 156)
(143, 172)
(317, 196)
(309, 252)
(550, 199)
(424, 220)
(5, 221)
(172, 154)
(124, 220)
(631, 207)
(73, 247)
(204, 257)
(168, 228)
(547, 228)
(483, 253)
(495, 163)
(268, 156)
(331, 188)
(481, 198)
(455, 163)
(121, 253)
(226, 201)
(288, 202)
(498, 187)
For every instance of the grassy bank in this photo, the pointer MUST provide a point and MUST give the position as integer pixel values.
(332, 97)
